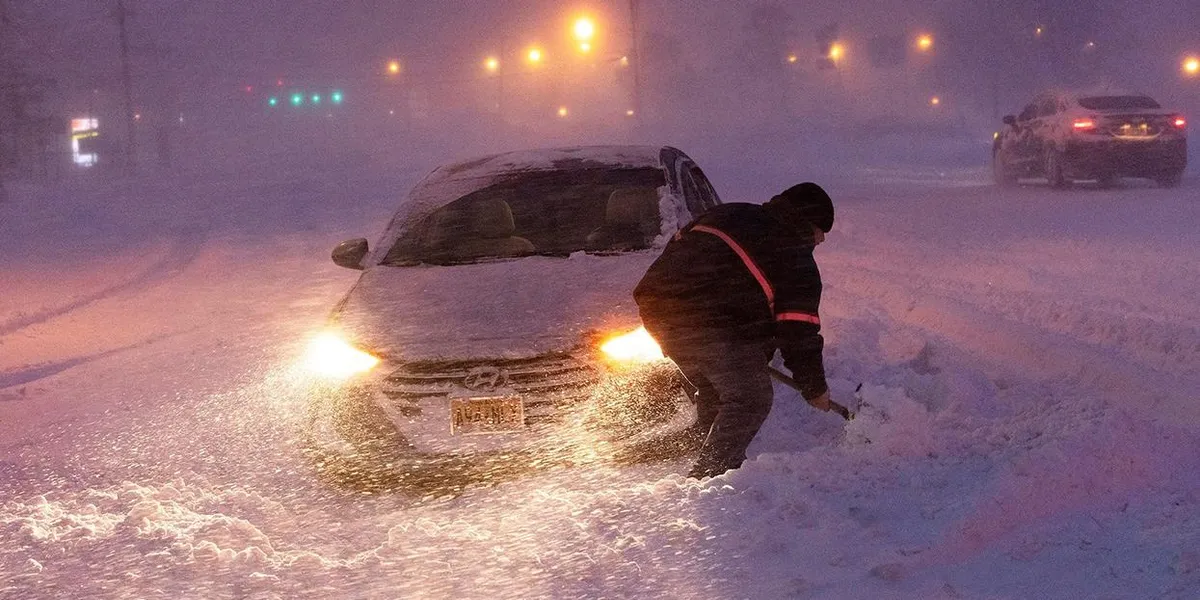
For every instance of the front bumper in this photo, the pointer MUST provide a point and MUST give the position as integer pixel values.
(1125, 158)
(406, 410)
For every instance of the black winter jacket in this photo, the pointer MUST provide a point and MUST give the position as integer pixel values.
(739, 272)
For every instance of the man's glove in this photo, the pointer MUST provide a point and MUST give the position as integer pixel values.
(821, 402)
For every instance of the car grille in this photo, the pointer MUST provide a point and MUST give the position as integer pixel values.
(545, 383)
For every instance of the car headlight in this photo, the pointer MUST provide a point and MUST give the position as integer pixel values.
(634, 347)
(331, 356)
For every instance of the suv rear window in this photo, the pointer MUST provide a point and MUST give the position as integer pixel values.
(1117, 102)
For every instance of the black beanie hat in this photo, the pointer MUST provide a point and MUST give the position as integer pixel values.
(806, 202)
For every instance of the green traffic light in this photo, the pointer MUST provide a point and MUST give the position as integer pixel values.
(316, 98)
(297, 99)
(272, 101)
(336, 97)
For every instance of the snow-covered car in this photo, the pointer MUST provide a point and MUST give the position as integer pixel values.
(1068, 136)
(494, 320)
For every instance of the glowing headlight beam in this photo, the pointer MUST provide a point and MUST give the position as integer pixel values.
(635, 346)
(330, 356)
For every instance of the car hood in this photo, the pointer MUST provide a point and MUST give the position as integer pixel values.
(504, 309)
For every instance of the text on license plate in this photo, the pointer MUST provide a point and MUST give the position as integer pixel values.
(489, 414)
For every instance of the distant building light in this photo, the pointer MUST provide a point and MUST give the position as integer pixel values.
(934, 101)
(562, 111)
(629, 113)
(792, 58)
(83, 130)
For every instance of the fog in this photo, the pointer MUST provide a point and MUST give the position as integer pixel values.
(1021, 355)
(722, 79)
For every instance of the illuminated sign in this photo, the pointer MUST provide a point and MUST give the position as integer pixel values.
(84, 133)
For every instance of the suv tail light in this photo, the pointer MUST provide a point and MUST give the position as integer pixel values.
(1084, 124)
(1178, 121)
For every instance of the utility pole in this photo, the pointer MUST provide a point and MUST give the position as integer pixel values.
(127, 83)
(636, 61)
(4, 58)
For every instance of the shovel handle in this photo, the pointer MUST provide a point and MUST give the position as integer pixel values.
(834, 406)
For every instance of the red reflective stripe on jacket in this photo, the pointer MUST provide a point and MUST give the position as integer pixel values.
(741, 252)
(798, 316)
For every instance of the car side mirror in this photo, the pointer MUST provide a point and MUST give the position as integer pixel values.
(1010, 120)
(350, 253)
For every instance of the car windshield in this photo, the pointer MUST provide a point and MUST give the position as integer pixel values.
(1118, 102)
(551, 213)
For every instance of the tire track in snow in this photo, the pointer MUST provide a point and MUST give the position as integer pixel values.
(185, 248)
(33, 373)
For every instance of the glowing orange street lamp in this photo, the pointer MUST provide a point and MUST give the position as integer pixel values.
(562, 111)
(836, 52)
(1191, 66)
(534, 56)
(925, 42)
(393, 67)
(584, 29)
(934, 101)
(491, 64)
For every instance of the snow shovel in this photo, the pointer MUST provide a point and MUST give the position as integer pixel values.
(837, 408)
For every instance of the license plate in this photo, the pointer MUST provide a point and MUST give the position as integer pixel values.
(489, 414)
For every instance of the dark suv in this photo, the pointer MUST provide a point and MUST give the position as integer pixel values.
(1066, 136)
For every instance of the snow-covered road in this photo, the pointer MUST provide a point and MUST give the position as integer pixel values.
(1035, 353)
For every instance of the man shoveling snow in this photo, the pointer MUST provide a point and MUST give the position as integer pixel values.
(732, 287)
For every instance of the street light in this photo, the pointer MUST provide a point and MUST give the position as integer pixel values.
(836, 52)
(534, 56)
(1191, 66)
(562, 111)
(393, 67)
(491, 64)
(584, 29)
(925, 42)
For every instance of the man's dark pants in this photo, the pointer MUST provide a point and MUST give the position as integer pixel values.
(734, 392)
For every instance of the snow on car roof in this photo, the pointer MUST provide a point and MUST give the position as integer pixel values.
(455, 180)
(548, 159)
